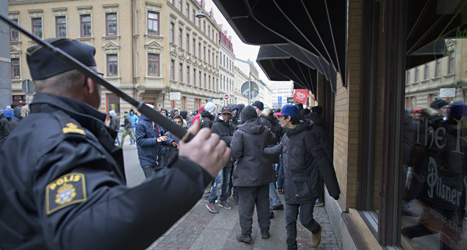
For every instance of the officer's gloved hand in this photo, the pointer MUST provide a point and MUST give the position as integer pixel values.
(161, 139)
(175, 144)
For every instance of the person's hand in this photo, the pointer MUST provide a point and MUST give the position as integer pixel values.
(206, 149)
(174, 144)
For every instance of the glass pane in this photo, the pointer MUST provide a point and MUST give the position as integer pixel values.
(435, 154)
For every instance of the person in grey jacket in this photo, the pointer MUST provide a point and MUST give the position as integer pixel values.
(252, 173)
(305, 159)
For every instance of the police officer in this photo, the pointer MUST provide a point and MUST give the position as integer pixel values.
(62, 184)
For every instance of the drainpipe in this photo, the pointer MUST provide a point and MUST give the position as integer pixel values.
(133, 49)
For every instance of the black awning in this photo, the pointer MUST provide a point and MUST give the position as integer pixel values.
(313, 26)
(430, 22)
(280, 66)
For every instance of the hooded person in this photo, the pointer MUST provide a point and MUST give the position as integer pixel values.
(235, 114)
(197, 116)
(252, 173)
(164, 112)
(184, 114)
(114, 124)
(149, 140)
(208, 115)
(17, 114)
(173, 112)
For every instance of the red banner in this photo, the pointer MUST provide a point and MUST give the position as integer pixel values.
(300, 95)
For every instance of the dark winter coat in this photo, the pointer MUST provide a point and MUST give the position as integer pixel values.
(5, 129)
(305, 159)
(253, 166)
(172, 151)
(70, 191)
(223, 129)
(127, 122)
(234, 119)
(146, 142)
(206, 119)
(266, 117)
(17, 114)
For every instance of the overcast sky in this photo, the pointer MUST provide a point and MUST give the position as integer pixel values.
(241, 50)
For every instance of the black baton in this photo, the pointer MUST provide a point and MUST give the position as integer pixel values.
(144, 109)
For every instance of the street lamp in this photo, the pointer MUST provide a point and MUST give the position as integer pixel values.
(250, 63)
(201, 14)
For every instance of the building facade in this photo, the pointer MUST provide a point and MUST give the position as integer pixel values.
(226, 68)
(155, 51)
(428, 82)
(280, 92)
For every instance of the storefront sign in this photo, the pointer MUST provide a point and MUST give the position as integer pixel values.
(447, 92)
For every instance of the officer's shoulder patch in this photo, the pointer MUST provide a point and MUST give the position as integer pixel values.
(72, 128)
(66, 190)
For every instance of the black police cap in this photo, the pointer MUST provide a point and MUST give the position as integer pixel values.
(43, 64)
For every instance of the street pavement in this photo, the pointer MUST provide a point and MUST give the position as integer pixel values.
(200, 229)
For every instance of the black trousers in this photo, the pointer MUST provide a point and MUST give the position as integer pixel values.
(306, 218)
(248, 198)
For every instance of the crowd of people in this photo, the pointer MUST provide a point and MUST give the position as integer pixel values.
(9, 118)
(282, 151)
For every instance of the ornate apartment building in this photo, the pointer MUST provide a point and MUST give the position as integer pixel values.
(443, 78)
(156, 51)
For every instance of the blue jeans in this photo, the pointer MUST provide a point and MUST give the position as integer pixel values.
(131, 140)
(274, 199)
(280, 173)
(221, 183)
(306, 218)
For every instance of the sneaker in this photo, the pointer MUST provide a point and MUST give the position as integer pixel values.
(278, 207)
(316, 239)
(225, 204)
(271, 215)
(319, 204)
(265, 234)
(244, 238)
(212, 208)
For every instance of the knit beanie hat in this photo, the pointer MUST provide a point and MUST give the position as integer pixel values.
(248, 113)
(258, 104)
(211, 108)
(438, 103)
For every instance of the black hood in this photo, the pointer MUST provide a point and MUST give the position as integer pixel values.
(253, 126)
(206, 114)
(300, 127)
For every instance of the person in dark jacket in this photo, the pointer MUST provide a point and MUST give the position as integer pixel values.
(252, 173)
(208, 114)
(17, 114)
(173, 149)
(173, 113)
(235, 114)
(221, 185)
(5, 128)
(70, 190)
(305, 159)
(148, 140)
(115, 124)
(128, 127)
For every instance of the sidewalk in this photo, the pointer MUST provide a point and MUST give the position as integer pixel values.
(200, 229)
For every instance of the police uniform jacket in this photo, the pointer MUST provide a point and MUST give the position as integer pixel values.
(62, 184)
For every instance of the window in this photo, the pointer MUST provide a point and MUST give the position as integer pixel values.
(187, 42)
(111, 24)
(209, 31)
(209, 82)
(199, 50)
(188, 10)
(188, 74)
(60, 26)
(204, 80)
(37, 26)
(14, 34)
(180, 37)
(204, 27)
(85, 25)
(194, 76)
(416, 74)
(15, 69)
(181, 72)
(209, 56)
(199, 79)
(451, 63)
(180, 5)
(427, 68)
(153, 65)
(172, 27)
(172, 70)
(153, 23)
(204, 53)
(438, 67)
(112, 65)
(194, 46)
(194, 15)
